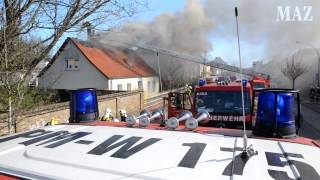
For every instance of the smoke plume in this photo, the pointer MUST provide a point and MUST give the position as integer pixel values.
(186, 31)
(264, 36)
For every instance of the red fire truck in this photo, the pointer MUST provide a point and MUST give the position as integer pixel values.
(221, 99)
(260, 82)
(223, 102)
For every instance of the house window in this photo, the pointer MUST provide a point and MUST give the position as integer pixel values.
(153, 86)
(119, 87)
(140, 87)
(72, 64)
(129, 87)
(149, 86)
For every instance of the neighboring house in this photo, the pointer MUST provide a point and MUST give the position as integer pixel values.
(13, 77)
(79, 64)
(34, 80)
(218, 61)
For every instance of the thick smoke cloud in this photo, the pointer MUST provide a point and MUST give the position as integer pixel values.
(276, 40)
(259, 26)
(189, 31)
(186, 31)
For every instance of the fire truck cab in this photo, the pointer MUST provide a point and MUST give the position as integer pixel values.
(224, 103)
(260, 82)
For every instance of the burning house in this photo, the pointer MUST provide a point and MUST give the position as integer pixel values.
(80, 64)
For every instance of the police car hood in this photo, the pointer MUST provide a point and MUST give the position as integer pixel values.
(101, 152)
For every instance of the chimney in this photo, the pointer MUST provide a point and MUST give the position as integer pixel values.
(90, 31)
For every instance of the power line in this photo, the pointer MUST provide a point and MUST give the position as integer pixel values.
(184, 57)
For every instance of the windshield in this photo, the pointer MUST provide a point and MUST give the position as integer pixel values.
(258, 85)
(222, 101)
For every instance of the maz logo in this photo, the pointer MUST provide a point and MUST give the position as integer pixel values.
(297, 13)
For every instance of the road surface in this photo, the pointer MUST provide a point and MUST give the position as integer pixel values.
(311, 124)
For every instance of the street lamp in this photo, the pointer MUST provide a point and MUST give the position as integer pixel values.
(318, 54)
(159, 70)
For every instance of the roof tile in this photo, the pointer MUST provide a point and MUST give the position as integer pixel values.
(115, 63)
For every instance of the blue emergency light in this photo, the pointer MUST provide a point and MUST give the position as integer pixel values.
(83, 106)
(202, 82)
(275, 113)
(244, 82)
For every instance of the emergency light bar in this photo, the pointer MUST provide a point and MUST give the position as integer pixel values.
(275, 113)
(83, 106)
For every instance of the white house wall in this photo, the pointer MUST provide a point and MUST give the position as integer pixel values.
(149, 91)
(153, 89)
(57, 77)
(124, 82)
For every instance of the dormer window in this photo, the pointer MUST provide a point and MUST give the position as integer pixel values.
(72, 64)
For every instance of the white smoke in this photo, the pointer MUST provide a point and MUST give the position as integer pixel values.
(189, 31)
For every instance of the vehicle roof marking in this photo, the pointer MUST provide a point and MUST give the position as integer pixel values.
(121, 173)
(85, 142)
(293, 169)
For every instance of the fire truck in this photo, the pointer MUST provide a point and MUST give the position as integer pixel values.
(259, 81)
(222, 99)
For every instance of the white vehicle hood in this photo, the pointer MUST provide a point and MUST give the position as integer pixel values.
(102, 152)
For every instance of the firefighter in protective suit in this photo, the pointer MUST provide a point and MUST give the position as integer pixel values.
(123, 115)
(188, 91)
(107, 116)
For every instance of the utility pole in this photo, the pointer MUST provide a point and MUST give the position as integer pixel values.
(159, 71)
(204, 69)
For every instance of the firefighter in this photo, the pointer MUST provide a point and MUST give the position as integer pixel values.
(123, 114)
(107, 116)
(188, 89)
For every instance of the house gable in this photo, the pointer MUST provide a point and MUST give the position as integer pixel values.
(57, 76)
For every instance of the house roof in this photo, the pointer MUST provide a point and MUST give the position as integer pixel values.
(112, 62)
(115, 62)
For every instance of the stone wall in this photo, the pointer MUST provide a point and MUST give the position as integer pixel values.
(132, 102)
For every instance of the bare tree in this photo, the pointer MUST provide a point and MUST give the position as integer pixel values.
(293, 69)
(56, 17)
(22, 48)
